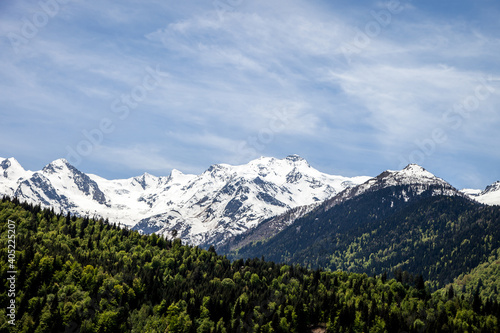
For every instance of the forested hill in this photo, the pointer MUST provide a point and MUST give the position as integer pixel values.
(484, 280)
(81, 275)
(439, 237)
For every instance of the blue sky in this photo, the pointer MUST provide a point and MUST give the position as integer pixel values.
(133, 86)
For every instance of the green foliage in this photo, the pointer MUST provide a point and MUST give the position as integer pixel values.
(82, 275)
(483, 279)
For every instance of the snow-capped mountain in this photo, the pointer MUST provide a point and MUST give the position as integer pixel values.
(404, 185)
(226, 200)
(489, 196)
(413, 177)
(223, 201)
(58, 185)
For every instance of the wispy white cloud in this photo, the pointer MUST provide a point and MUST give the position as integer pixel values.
(404, 101)
(230, 76)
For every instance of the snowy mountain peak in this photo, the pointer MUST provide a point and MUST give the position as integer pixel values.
(414, 169)
(57, 166)
(11, 173)
(61, 162)
(272, 161)
(414, 174)
(146, 180)
(260, 163)
(218, 167)
(495, 187)
(295, 158)
(176, 173)
(489, 196)
(11, 165)
(178, 177)
(412, 177)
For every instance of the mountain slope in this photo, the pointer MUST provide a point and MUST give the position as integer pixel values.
(392, 221)
(483, 279)
(264, 230)
(224, 200)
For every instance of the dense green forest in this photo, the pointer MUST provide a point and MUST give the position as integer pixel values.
(84, 275)
(484, 280)
(439, 237)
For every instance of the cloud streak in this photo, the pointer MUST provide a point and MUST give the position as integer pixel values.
(230, 74)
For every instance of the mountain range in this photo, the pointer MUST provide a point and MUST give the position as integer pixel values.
(415, 179)
(221, 202)
(224, 202)
(408, 220)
